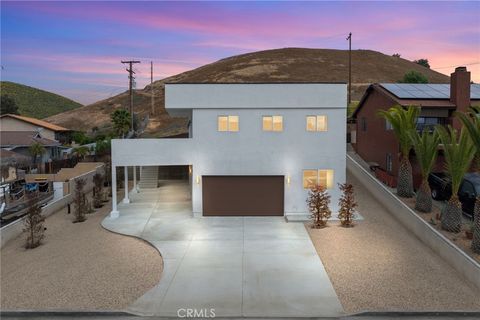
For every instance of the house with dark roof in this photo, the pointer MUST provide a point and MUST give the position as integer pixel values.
(373, 138)
(19, 142)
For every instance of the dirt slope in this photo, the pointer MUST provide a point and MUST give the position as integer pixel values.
(279, 65)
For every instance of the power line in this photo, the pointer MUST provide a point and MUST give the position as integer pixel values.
(461, 64)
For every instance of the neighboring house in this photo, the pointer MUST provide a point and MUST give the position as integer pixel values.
(13, 122)
(10, 162)
(252, 149)
(374, 139)
(20, 142)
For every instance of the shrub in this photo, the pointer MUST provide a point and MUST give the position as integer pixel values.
(97, 190)
(318, 201)
(347, 205)
(79, 201)
(34, 225)
(413, 76)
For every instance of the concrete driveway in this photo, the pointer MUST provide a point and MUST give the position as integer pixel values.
(238, 266)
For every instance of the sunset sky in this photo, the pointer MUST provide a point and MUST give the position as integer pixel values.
(74, 48)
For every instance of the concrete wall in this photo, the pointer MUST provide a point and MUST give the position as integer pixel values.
(461, 262)
(10, 124)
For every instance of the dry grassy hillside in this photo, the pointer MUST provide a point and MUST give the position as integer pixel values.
(279, 65)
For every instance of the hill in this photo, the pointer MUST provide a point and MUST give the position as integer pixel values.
(36, 103)
(278, 65)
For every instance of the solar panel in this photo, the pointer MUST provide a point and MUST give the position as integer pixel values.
(426, 90)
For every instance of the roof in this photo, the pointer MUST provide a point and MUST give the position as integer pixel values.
(426, 90)
(416, 94)
(37, 122)
(260, 82)
(254, 96)
(9, 157)
(24, 139)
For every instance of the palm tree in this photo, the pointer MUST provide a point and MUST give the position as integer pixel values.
(403, 121)
(425, 146)
(121, 122)
(81, 151)
(36, 149)
(471, 122)
(459, 153)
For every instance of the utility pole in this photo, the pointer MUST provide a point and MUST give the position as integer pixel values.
(131, 78)
(349, 38)
(151, 85)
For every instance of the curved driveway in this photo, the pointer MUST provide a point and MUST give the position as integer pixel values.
(238, 266)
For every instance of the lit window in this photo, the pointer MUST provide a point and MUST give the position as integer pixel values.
(232, 123)
(277, 123)
(267, 123)
(222, 123)
(317, 123)
(322, 177)
(325, 178)
(228, 123)
(272, 123)
(311, 123)
(310, 178)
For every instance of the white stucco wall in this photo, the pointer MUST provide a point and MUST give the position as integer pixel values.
(252, 151)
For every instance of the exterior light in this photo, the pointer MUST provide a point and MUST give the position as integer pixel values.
(288, 179)
(197, 179)
(189, 169)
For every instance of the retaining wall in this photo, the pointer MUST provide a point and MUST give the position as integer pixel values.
(460, 261)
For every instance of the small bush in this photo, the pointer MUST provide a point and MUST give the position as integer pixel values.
(97, 190)
(347, 205)
(33, 223)
(318, 201)
(79, 201)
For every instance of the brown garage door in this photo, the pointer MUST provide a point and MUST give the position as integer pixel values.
(242, 195)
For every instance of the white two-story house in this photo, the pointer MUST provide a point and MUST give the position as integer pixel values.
(252, 149)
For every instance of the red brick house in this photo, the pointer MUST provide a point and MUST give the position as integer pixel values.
(373, 138)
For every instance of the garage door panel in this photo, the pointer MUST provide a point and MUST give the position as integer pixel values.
(243, 195)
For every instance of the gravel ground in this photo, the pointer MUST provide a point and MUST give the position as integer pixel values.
(78, 267)
(380, 265)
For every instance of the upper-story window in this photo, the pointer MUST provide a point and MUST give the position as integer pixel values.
(228, 123)
(429, 123)
(317, 123)
(272, 123)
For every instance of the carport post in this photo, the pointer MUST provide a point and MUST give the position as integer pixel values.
(114, 212)
(135, 179)
(126, 200)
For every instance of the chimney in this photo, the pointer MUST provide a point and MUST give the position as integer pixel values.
(460, 92)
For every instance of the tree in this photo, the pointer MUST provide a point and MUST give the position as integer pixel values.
(318, 201)
(33, 224)
(459, 153)
(121, 122)
(36, 149)
(98, 190)
(8, 105)
(425, 146)
(347, 205)
(413, 76)
(80, 152)
(423, 62)
(471, 122)
(403, 121)
(79, 201)
(396, 55)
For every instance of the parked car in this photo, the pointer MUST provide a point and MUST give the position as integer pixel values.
(441, 188)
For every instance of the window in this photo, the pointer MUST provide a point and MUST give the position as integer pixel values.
(321, 177)
(429, 123)
(317, 123)
(272, 123)
(388, 125)
(389, 163)
(228, 123)
(364, 124)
